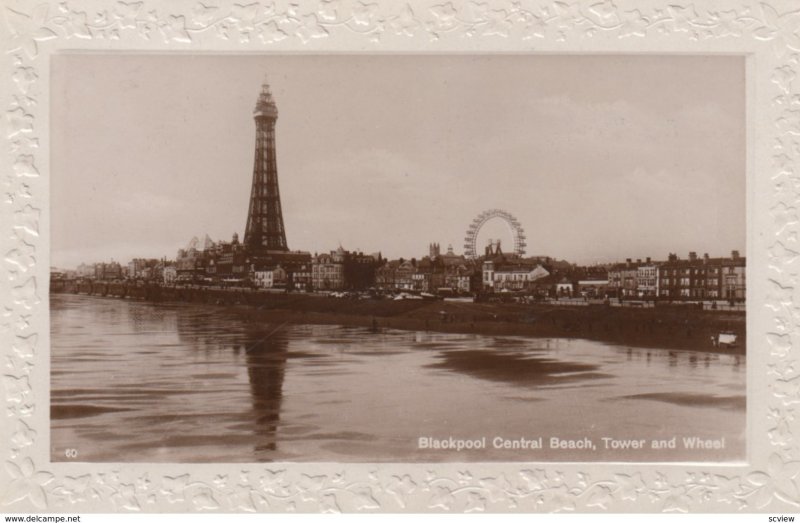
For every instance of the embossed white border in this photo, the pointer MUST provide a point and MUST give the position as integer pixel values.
(768, 32)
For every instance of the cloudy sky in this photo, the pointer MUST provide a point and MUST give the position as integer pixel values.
(601, 158)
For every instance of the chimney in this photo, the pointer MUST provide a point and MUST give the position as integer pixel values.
(647, 260)
(672, 257)
(638, 261)
(735, 255)
(628, 262)
(692, 256)
(705, 258)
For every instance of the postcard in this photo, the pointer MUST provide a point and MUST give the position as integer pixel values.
(372, 257)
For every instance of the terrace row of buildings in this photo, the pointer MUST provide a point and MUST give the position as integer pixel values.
(693, 278)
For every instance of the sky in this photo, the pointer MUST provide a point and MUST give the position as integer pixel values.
(600, 157)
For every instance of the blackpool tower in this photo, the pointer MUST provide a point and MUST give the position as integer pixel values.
(265, 230)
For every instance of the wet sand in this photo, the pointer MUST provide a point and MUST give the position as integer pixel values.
(516, 367)
(695, 400)
(690, 330)
(668, 327)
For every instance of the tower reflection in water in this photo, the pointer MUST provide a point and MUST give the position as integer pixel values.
(266, 364)
(265, 350)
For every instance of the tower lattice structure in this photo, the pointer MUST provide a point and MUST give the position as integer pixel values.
(265, 231)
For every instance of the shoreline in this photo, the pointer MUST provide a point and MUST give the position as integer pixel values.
(635, 335)
(666, 328)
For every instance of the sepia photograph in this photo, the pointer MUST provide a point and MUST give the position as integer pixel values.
(397, 258)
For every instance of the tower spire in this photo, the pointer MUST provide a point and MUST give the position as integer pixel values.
(265, 231)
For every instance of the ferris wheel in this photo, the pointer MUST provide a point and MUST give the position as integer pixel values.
(470, 240)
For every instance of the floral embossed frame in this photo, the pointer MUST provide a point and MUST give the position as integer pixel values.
(767, 32)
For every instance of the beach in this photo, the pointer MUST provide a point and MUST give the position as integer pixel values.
(679, 327)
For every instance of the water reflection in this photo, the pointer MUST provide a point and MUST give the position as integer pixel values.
(266, 367)
(132, 381)
(673, 358)
(265, 349)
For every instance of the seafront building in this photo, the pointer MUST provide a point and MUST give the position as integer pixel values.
(107, 271)
(624, 278)
(647, 279)
(703, 278)
(327, 271)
